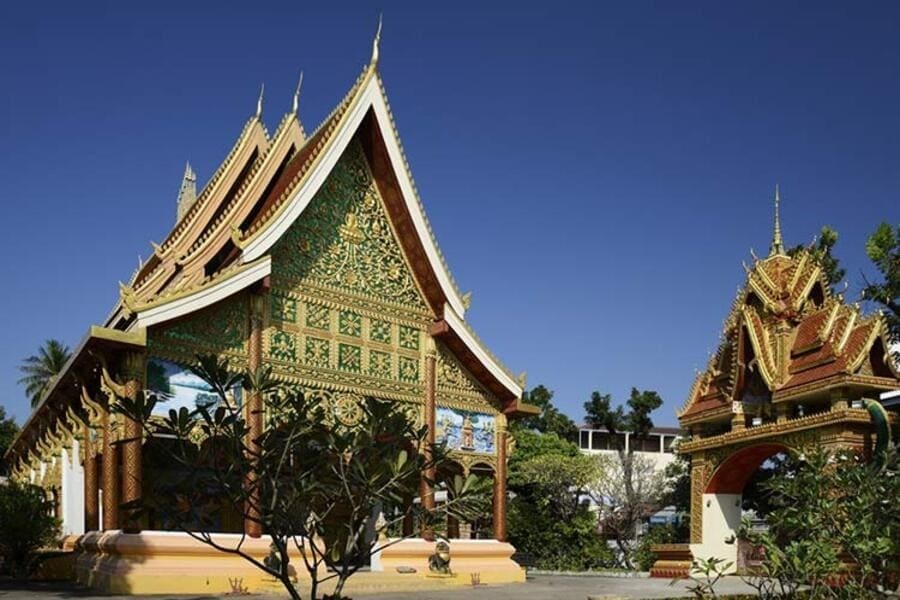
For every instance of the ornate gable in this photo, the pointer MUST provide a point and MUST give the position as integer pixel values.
(457, 388)
(344, 240)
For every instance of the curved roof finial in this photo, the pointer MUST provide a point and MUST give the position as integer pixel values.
(375, 43)
(297, 93)
(259, 101)
(777, 246)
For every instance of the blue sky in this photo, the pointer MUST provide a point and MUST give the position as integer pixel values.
(594, 172)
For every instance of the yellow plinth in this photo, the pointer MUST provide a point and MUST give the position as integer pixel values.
(156, 562)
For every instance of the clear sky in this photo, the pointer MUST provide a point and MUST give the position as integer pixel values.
(594, 173)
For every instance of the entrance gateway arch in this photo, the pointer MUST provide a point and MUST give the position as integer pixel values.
(792, 368)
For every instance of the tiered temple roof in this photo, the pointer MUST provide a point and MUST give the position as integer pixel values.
(789, 337)
(222, 239)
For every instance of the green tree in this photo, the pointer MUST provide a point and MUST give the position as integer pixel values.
(38, 370)
(600, 414)
(822, 251)
(629, 486)
(309, 480)
(883, 249)
(25, 526)
(8, 432)
(546, 518)
(550, 419)
(824, 504)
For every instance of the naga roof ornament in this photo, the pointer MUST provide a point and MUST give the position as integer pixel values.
(296, 102)
(375, 43)
(259, 101)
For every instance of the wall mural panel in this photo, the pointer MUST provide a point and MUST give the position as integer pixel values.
(465, 431)
(177, 387)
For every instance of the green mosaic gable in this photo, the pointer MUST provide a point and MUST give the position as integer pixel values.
(344, 240)
(219, 329)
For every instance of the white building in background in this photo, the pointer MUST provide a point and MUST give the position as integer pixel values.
(657, 446)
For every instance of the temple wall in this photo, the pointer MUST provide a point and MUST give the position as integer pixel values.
(721, 520)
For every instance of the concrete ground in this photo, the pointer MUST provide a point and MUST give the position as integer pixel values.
(555, 587)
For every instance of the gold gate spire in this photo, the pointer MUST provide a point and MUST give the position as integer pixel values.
(777, 246)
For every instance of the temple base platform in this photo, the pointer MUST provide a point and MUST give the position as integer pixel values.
(158, 562)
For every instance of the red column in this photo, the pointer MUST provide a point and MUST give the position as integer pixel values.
(110, 477)
(500, 482)
(91, 509)
(132, 460)
(426, 490)
(252, 526)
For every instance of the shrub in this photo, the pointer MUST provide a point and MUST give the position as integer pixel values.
(26, 526)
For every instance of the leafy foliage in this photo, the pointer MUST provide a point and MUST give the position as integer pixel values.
(883, 249)
(309, 481)
(628, 489)
(643, 557)
(704, 575)
(550, 419)
(38, 370)
(546, 519)
(824, 505)
(25, 526)
(600, 414)
(678, 493)
(821, 251)
(8, 431)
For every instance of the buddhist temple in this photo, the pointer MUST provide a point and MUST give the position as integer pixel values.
(793, 367)
(309, 252)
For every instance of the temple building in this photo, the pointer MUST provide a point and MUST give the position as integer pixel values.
(794, 367)
(307, 252)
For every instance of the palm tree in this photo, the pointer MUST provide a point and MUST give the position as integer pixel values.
(39, 369)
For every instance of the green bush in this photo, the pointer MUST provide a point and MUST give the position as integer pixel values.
(643, 557)
(26, 526)
(556, 544)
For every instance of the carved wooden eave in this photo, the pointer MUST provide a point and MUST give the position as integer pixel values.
(287, 173)
(63, 397)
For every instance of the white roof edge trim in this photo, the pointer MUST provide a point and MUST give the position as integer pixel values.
(204, 297)
(370, 96)
(459, 327)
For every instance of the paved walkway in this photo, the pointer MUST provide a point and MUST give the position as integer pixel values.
(538, 588)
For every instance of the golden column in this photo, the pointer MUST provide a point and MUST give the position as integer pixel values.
(252, 525)
(426, 489)
(132, 460)
(91, 508)
(110, 475)
(500, 482)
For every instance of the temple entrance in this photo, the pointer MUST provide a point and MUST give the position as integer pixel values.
(722, 501)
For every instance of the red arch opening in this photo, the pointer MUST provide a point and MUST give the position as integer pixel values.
(732, 475)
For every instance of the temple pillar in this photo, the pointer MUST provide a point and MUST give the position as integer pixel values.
(252, 524)
(500, 482)
(132, 460)
(426, 489)
(91, 508)
(452, 527)
(109, 476)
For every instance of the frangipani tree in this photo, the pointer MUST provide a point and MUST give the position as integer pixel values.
(310, 482)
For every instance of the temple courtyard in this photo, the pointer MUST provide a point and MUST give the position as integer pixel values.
(559, 587)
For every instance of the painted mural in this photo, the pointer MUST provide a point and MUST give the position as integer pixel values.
(178, 387)
(465, 431)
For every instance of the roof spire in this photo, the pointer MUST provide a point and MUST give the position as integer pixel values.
(259, 101)
(375, 43)
(777, 246)
(297, 93)
(187, 194)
